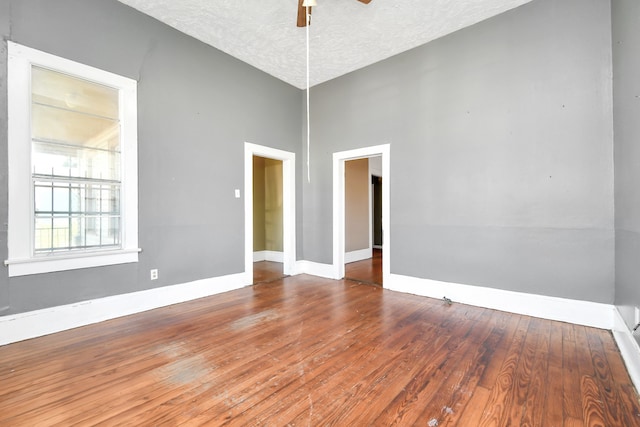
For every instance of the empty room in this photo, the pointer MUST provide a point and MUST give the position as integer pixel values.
(331, 212)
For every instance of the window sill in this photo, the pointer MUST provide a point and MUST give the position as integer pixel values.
(52, 263)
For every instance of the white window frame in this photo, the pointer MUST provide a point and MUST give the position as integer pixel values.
(22, 260)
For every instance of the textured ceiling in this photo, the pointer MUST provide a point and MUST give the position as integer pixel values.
(345, 35)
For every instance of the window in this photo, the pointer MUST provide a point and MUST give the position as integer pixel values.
(72, 165)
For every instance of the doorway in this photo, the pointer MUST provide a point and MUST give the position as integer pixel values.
(363, 261)
(267, 220)
(376, 211)
(339, 192)
(282, 170)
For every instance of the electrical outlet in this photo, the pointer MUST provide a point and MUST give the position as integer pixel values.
(154, 274)
(637, 315)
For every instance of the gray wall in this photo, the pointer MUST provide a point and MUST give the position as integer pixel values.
(196, 107)
(626, 90)
(501, 149)
(501, 152)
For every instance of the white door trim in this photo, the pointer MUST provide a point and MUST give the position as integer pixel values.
(338, 205)
(288, 205)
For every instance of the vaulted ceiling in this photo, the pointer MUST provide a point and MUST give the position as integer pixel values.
(345, 35)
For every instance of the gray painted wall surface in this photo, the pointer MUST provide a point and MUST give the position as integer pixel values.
(501, 152)
(501, 149)
(626, 90)
(197, 106)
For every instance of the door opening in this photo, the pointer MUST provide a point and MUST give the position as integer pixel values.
(282, 176)
(376, 210)
(362, 260)
(268, 253)
(339, 207)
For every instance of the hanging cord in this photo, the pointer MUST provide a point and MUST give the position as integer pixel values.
(308, 115)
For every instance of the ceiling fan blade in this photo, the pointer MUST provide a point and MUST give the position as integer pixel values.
(365, 1)
(302, 14)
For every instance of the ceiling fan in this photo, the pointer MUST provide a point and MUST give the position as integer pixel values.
(302, 16)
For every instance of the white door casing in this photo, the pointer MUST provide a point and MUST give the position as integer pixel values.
(288, 205)
(339, 159)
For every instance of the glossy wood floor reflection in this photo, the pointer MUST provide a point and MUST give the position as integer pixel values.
(366, 271)
(267, 271)
(306, 351)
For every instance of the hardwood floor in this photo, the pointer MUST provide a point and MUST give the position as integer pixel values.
(267, 271)
(366, 271)
(310, 351)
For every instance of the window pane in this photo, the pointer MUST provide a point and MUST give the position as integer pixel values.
(57, 125)
(114, 227)
(77, 232)
(43, 233)
(84, 215)
(75, 132)
(92, 198)
(92, 229)
(43, 197)
(61, 199)
(58, 159)
(60, 233)
(77, 198)
(75, 127)
(71, 93)
(109, 201)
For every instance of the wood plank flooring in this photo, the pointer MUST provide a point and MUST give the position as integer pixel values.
(266, 271)
(308, 351)
(366, 271)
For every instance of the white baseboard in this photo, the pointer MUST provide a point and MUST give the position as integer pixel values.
(358, 255)
(37, 323)
(273, 256)
(315, 269)
(586, 313)
(629, 348)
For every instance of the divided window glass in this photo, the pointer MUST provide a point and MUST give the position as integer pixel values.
(76, 172)
(73, 164)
